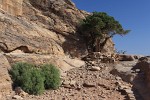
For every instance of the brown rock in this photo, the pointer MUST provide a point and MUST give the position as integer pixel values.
(5, 81)
(20, 92)
(73, 83)
(124, 70)
(94, 68)
(17, 97)
(15, 6)
(89, 84)
(23, 94)
(109, 47)
(51, 27)
(52, 24)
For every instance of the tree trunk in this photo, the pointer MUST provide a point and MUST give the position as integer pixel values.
(97, 48)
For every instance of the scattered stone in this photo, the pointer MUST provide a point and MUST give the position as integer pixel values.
(63, 75)
(72, 83)
(69, 84)
(89, 84)
(79, 87)
(118, 78)
(23, 94)
(137, 70)
(122, 87)
(129, 91)
(18, 90)
(94, 68)
(65, 82)
(17, 97)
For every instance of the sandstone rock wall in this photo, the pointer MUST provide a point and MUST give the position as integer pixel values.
(13, 7)
(109, 47)
(49, 22)
(45, 33)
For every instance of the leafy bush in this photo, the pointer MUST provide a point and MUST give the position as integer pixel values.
(52, 76)
(34, 80)
(27, 77)
(17, 72)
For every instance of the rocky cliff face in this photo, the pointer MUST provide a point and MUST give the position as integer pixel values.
(40, 31)
(44, 26)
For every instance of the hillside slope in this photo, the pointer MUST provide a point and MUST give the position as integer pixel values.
(40, 31)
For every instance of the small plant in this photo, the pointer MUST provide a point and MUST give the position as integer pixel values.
(34, 80)
(52, 76)
(121, 52)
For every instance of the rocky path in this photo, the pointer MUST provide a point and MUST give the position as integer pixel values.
(84, 84)
(87, 83)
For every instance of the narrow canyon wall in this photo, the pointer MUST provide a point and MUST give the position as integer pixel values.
(13, 7)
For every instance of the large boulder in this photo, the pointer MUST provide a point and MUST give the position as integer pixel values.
(124, 70)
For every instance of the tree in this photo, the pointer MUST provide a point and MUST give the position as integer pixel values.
(98, 28)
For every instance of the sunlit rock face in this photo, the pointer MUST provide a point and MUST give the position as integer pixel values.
(13, 7)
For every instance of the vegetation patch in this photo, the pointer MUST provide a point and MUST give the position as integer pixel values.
(52, 76)
(99, 27)
(35, 80)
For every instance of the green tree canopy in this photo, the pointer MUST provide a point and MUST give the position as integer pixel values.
(98, 28)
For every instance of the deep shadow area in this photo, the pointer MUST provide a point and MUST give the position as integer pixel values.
(75, 45)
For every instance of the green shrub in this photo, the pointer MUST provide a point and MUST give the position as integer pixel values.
(27, 77)
(17, 71)
(52, 76)
(34, 80)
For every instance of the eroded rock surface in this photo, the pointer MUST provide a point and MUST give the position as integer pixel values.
(124, 70)
(47, 31)
(41, 31)
(5, 81)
